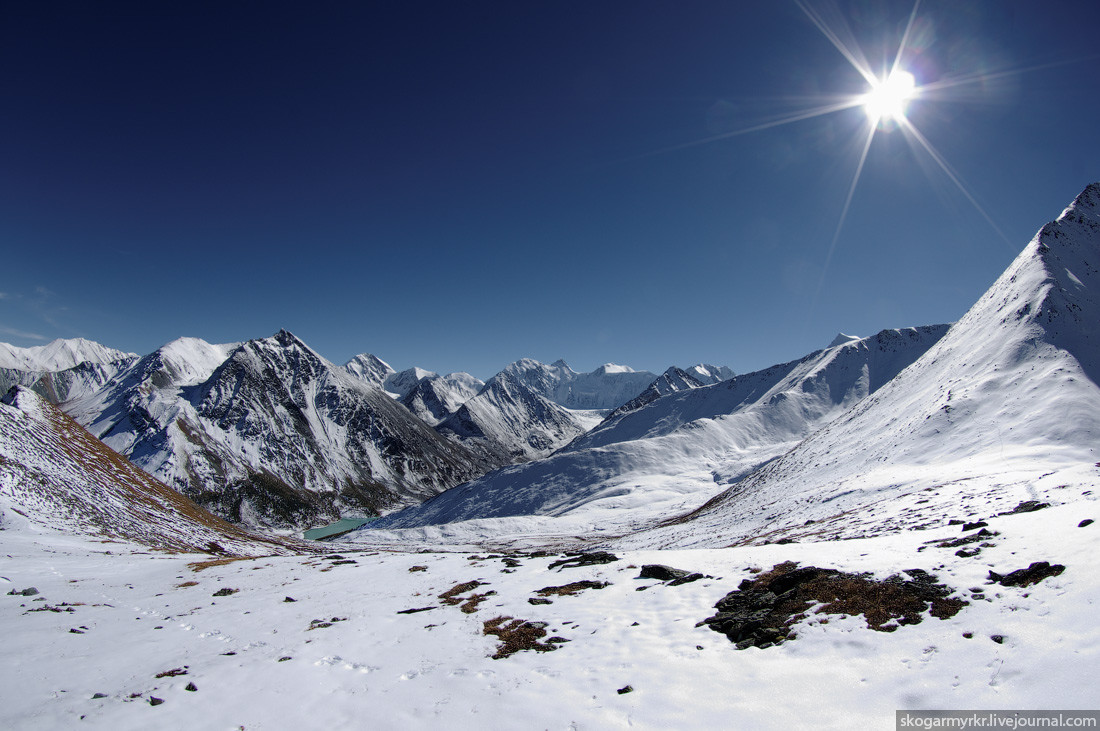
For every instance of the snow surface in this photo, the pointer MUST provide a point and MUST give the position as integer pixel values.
(254, 662)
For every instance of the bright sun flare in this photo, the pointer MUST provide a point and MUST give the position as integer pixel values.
(887, 99)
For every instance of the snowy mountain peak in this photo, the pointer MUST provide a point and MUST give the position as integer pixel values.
(1007, 398)
(369, 368)
(607, 387)
(58, 355)
(842, 339)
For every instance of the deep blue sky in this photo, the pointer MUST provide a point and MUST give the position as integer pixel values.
(455, 185)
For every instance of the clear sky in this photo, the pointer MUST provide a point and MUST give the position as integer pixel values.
(456, 185)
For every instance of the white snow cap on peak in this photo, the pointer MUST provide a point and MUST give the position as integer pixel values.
(842, 339)
(613, 368)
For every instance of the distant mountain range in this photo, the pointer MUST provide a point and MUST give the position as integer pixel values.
(868, 435)
(267, 433)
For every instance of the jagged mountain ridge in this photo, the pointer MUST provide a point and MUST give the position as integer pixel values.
(508, 422)
(1005, 408)
(273, 434)
(55, 474)
(680, 444)
(607, 387)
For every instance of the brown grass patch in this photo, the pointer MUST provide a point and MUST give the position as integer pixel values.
(197, 566)
(518, 634)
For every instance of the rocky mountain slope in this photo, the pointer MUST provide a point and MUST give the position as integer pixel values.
(268, 433)
(508, 422)
(55, 475)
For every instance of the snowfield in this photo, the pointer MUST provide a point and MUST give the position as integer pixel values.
(255, 662)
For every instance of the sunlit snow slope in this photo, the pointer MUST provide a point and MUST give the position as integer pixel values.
(677, 446)
(1004, 408)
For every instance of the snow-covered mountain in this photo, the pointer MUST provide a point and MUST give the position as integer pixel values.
(270, 433)
(370, 369)
(676, 379)
(58, 355)
(434, 398)
(607, 387)
(1005, 408)
(62, 369)
(509, 422)
(70, 383)
(684, 443)
(54, 474)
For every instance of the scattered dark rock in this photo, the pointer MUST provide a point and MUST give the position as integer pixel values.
(974, 526)
(347, 560)
(191, 687)
(967, 552)
(999, 639)
(414, 569)
(230, 653)
(784, 541)
(320, 623)
(333, 557)
(1086, 521)
(154, 701)
(1027, 506)
(570, 589)
(660, 572)
(97, 696)
(284, 658)
(591, 558)
(511, 563)
(289, 599)
(538, 600)
(516, 635)
(226, 591)
(29, 591)
(172, 673)
(1033, 574)
(625, 689)
(955, 521)
(76, 631)
(762, 611)
(417, 609)
(968, 635)
(981, 535)
(688, 579)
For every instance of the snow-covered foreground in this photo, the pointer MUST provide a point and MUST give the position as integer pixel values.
(111, 617)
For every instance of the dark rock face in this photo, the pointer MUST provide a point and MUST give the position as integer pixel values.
(673, 577)
(763, 611)
(1033, 574)
(1027, 506)
(275, 435)
(584, 559)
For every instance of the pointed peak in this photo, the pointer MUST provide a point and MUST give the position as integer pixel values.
(1087, 202)
(843, 339)
(560, 363)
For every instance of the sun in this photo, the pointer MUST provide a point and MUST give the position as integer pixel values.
(888, 99)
